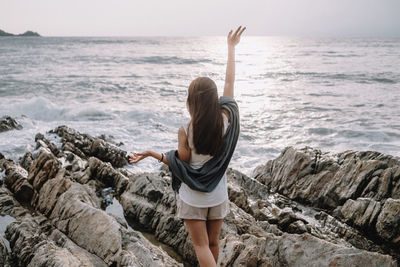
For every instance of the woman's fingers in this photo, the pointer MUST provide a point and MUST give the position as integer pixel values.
(236, 32)
(240, 33)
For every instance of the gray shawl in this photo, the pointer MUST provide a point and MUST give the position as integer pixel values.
(207, 177)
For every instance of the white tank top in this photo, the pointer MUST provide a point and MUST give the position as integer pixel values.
(197, 198)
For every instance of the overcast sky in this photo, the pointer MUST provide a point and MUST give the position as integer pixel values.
(202, 17)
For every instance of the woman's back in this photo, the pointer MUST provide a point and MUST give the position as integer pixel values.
(203, 199)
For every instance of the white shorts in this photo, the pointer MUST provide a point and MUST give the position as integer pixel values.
(186, 211)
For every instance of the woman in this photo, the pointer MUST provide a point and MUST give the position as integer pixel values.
(205, 148)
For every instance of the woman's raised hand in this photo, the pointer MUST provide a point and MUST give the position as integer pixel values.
(138, 157)
(234, 39)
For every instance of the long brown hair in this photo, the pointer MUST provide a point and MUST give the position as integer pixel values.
(206, 116)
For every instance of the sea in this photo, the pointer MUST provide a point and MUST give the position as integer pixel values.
(333, 94)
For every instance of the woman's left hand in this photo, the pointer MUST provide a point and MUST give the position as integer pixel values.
(138, 156)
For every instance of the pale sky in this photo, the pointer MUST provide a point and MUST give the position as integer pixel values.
(202, 17)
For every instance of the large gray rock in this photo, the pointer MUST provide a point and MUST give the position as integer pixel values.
(66, 225)
(16, 180)
(3, 253)
(294, 250)
(352, 186)
(7, 123)
(149, 202)
(85, 145)
(35, 242)
(327, 181)
(361, 212)
(388, 222)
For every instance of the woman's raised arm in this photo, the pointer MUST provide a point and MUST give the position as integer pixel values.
(233, 40)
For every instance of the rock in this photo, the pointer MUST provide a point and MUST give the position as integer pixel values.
(106, 174)
(7, 123)
(291, 217)
(9, 205)
(76, 214)
(85, 145)
(388, 223)
(327, 181)
(29, 34)
(361, 212)
(42, 142)
(3, 252)
(353, 186)
(64, 224)
(34, 242)
(42, 169)
(26, 160)
(149, 202)
(16, 180)
(25, 34)
(293, 250)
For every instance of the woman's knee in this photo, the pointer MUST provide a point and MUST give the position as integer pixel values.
(213, 242)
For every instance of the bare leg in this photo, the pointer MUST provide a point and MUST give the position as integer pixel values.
(198, 232)
(214, 231)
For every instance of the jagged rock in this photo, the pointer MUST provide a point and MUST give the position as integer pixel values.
(42, 169)
(359, 181)
(26, 160)
(106, 174)
(85, 145)
(361, 212)
(149, 202)
(388, 223)
(66, 226)
(3, 252)
(77, 214)
(16, 180)
(44, 143)
(7, 123)
(51, 191)
(292, 217)
(294, 250)
(34, 242)
(327, 181)
(9, 205)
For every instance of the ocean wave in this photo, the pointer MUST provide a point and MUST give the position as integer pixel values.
(42, 109)
(322, 77)
(169, 60)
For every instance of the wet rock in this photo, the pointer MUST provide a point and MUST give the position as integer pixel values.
(16, 180)
(44, 143)
(351, 185)
(7, 123)
(291, 217)
(85, 145)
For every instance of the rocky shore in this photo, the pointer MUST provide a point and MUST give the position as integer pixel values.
(304, 208)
